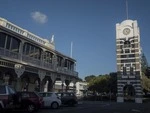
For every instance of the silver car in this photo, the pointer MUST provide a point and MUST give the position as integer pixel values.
(50, 99)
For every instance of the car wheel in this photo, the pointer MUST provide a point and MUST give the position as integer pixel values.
(30, 108)
(54, 105)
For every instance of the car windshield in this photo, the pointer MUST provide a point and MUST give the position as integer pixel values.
(58, 94)
(37, 94)
(45, 94)
(11, 90)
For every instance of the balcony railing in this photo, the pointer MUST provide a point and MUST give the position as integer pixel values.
(30, 60)
(9, 54)
(35, 62)
(66, 71)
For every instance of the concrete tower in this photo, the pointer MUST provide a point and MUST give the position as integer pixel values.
(128, 61)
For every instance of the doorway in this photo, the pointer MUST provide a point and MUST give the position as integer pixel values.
(129, 93)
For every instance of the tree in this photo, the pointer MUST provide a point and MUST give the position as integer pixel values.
(144, 63)
(80, 80)
(145, 79)
(89, 78)
(113, 82)
(145, 83)
(102, 83)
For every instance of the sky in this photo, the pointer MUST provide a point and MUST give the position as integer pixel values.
(89, 24)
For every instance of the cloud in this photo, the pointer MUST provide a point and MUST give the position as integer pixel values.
(39, 17)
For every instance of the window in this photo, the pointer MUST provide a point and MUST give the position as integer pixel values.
(12, 44)
(32, 95)
(2, 40)
(133, 46)
(126, 44)
(121, 46)
(127, 51)
(128, 61)
(58, 94)
(128, 56)
(15, 45)
(37, 53)
(32, 51)
(123, 56)
(66, 94)
(131, 70)
(48, 57)
(59, 60)
(42, 94)
(11, 91)
(131, 55)
(121, 42)
(49, 94)
(27, 49)
(124, 71)
(132, 51)
(121, 50)
(8, 42)
(128, 65)
(132, 41)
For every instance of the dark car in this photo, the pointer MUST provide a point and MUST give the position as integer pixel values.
(12, 100)
(68, 98)
(30, 100)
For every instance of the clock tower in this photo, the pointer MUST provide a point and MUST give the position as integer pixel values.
(128, 61)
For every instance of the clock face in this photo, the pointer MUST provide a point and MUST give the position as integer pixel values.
(126, 31)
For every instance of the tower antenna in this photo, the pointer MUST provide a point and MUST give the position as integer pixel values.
(127, 9)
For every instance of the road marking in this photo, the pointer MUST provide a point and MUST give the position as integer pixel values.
(135, 110)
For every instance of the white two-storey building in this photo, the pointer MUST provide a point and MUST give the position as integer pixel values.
(28, 62)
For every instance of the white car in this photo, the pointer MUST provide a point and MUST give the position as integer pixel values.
(50, 99)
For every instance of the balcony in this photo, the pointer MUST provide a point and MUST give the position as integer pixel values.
(66, 71)
(17, 57)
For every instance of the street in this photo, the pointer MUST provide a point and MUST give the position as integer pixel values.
(101, 107)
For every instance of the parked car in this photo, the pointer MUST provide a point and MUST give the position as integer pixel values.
(1, 106)
(50, 99)
(10, 100)
(30, 100)
(68, 98)
(7, 96)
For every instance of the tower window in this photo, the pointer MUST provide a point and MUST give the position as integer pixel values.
(126, 44)
(131, 70)
(124, 71)
(127, 51)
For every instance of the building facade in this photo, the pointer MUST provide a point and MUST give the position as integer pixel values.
(80, 88)
(128, 52)
(29, 62)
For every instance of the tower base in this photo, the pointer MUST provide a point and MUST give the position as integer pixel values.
(137, 100)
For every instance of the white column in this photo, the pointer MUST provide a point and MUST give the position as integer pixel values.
(53, 78)
(21, 50)
(19, 70)
(41, 76)
(63, 81)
